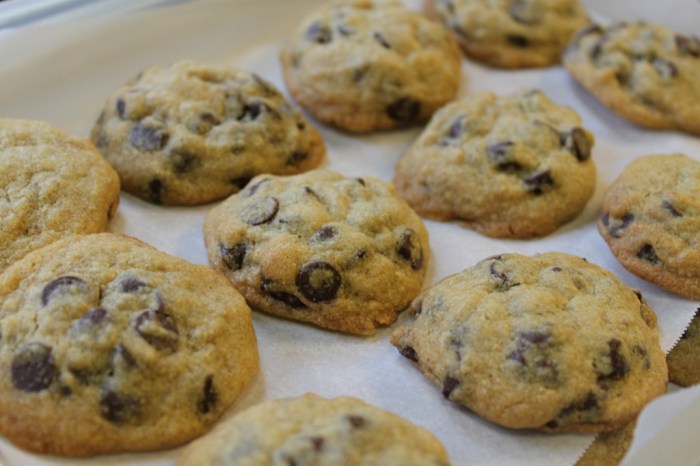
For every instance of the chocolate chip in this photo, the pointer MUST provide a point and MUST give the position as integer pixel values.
(233, 257)
(183, 161)
(274, 291)
(409, 353)
(556, 269)
(448, 386)
(241, 182)
(131, 284)
(671, 208)
(648, 253)
(615, 226)
(597, 48)
(688, 45)
(577, 142)
(538, 181)
(93, 316)
(261, 211)
(317, 443)
(121, 352)
(517, 40)
(523, 11)
(254, 188)
(251, 112)
(209, 396)
(61, 285)
(500, 154)
(326, 232)
(118, 408)
(382, 40)
(237, 149)
(33, 367)
(587, 404)
(403, 110)
(360, 73)
(665, 68)
(158, 329)
(356, 421)
(155, 190)
(361, 181)
(147, 138)
(121, 107)
(409, 248)
(318, 281)
(502, 280)
(618, 363)
(319, 33)
(456, 129)
(297, 157)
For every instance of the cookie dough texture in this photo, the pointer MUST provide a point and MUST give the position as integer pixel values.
(191, 133)
(313, 430)
(513, 166)
(684, 359)
(51, 185)
(109, 345)
(511, 33)
(366, 65)
(345, 254)
(645, 73)
(547, 342)
(651, 221)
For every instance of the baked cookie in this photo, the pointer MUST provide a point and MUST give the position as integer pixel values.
(109, 345)
(366, 65)
(313, 430)
(344, 254)
(515, 166)
(51, 185)
(645, 73)
(609, 448)
(511, 33)
(684, 359)
(651, 220)
(548, 342)
(191, 133)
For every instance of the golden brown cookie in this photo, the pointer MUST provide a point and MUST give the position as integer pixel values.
(109, 345)
(684, 359)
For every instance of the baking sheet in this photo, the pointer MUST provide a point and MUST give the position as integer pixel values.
(62, 74)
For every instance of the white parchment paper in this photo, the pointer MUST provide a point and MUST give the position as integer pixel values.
(62, 74)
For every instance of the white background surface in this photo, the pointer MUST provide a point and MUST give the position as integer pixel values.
(62, 74)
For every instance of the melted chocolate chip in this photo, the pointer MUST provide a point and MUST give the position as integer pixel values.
(361, 181)
(404, 110)
(93, 317)
(297, 158)
(146, 138)
(671, 208)
(538, 181)
(456, 129)
(317, 443)
(517, 41)
(618, 364)
(326, 232)
(501, 279)
(131, 284)
(158, 329)
(121, 352)
(577, 142)
(648, 253)
(616, 227)
(118, 408)
(356, 421)
(251, 111)
(448, 386)
(33, 367)
(319, 33)
(261, 211)
(60, 285)
(274, 291)
(382, 40)
(233, 257)
(254, 188)
(183, 162)
(209, 396)
(241, 182)
(121, 108)
(155, 190)
(597, 48)
(665, 68)
(688, 45)
(409, 353)
(500, 154)
(410, 249)
(318, 281)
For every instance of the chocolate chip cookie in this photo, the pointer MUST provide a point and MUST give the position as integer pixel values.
(514, 166)
(51, 185)
(345, 254)
(108, 345)
(313, 430)
(192, 133)
(366, 65)
(684, 359)
(548, 342)
(645, 73)
(651, 220)
(511, 33)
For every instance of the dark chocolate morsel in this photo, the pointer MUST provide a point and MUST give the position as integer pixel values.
(118, 408)
(241, 181)
(209, 396)
(671, 208)
(93, 316)
(648, 253)
(297, 157)
(155, 190)
(502, 280)
(261, 211)
(131, 284)
(317, 443)
(500, 153)
(325, 232)
(183, 161)
(121, 107)
(577, 142)
(688, 45)
(409, 353)
(409, 248)
(456, 128)
(233, 257)
(147, 138)
(618, 362)
(619, 225)
(382, 40)
(66, 281)
(517, 41)
(319, 33)
(448, 386)
(254, 188)
(356, 421)
(318, 281)
(536, 182)
(274, 291)
(158, 329)
(403, 110)
(33, 367)
(123, 353)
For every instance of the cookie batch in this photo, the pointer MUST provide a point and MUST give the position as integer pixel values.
(109, 345)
